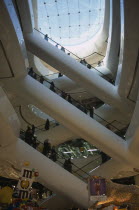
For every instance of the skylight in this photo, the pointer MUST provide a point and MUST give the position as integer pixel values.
(70, 22)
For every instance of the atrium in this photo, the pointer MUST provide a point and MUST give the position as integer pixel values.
(69, 112)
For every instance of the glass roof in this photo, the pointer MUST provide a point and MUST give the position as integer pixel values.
(70, 22)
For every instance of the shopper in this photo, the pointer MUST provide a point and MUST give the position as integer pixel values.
(47, 147)
(63, 49)
(33, 129)
(41, 79)
(46, 37)
(52, 87)
(63, 95)
(47, 125)
(53, 155)
(91, 111)
(28, 135)
(60, 75)
(69, 99)
(31, 72)
(68, 165)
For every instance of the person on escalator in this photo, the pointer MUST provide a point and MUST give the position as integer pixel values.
(33, 129)
(79, 107)
(28, 135)
(46, 148)
(63, 49)
(91, 111)
(52, 87)
(31, 72)
(69, 99)
(53, 155)
(83, 62)
(89, 66)
(85, 110)
(41, 79)
(63, 95)
(60, 75)
(47, 125)
(46, 37)
(34, 142)
(68, 165)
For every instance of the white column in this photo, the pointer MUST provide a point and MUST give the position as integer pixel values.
(12, 41)
(112, 56)
(93, 83)
(129, 76)
(72, 118)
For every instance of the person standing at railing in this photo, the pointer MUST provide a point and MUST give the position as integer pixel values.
(47, 125)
